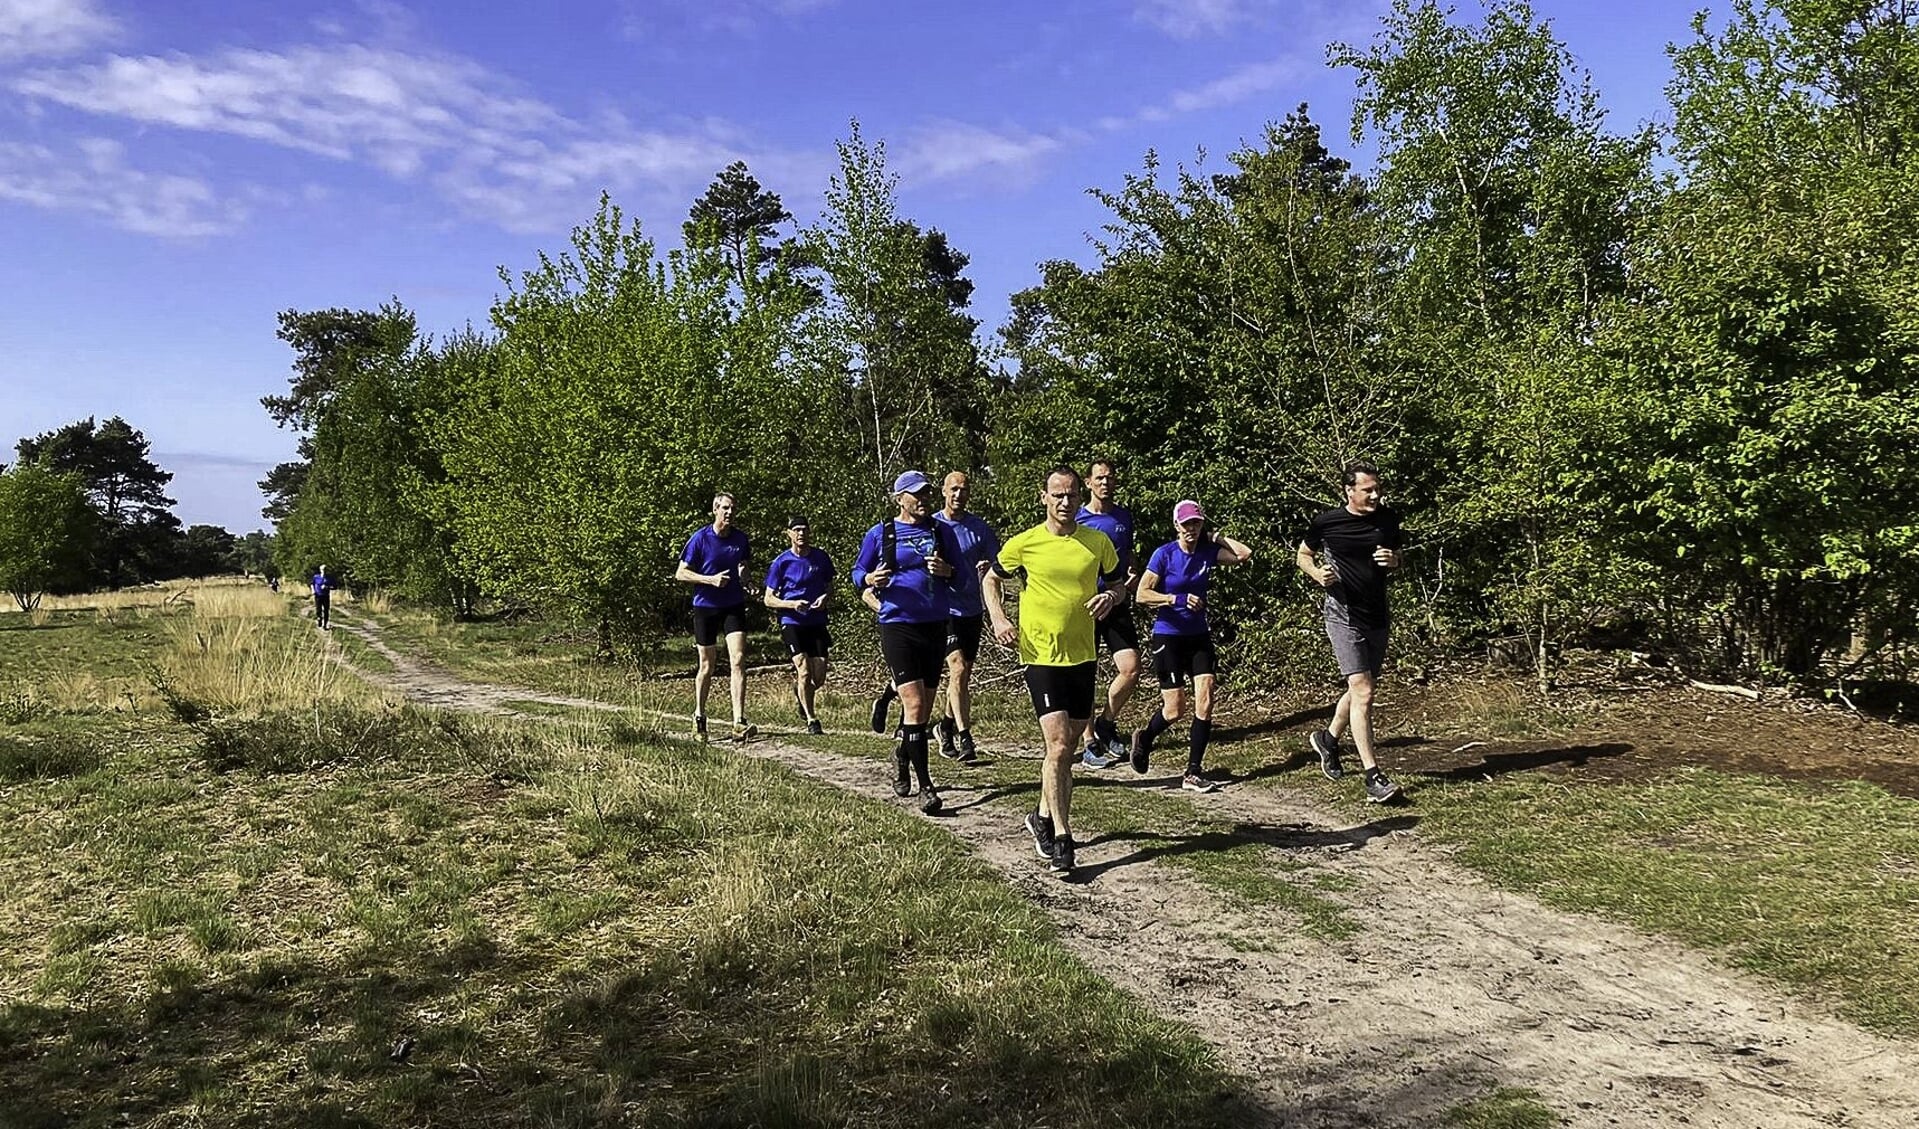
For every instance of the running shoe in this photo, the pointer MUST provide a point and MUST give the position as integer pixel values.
(968, 752)
(813, 726)
(949, 748)
(699, 728)
(1041, 828)
(1062, 860)
(902, 773)
(880, 705)
(1327, 746)
(1119, 748)
(1142, 751)
(1194, 782)
(1097, 757)
(745, 731)
(930, 800)
(1380, 788)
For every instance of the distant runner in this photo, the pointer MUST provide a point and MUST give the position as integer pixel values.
(323, 599)
(906, 561)
(714, 562)
(1176, 583)
(1117, 632)
(975, 545)
(1349, 552)
(1061, 563)
(798, 584)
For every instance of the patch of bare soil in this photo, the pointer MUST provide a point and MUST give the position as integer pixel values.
(1451, 989)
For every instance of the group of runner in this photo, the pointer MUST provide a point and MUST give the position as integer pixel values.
(934, 573)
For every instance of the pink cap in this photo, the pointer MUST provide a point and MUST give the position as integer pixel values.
(1188, 511)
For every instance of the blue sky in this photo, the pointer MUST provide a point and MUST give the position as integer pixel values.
(174, 174)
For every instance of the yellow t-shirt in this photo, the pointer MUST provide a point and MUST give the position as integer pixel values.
(1061, 574)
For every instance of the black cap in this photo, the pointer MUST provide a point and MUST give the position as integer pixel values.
(796, 521)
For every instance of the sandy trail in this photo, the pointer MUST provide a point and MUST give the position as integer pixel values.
(1451, 989)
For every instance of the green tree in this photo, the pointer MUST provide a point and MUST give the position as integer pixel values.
(48, 527)
(127, 488)
(1513, 210)
(1775, 331)
(895, 318)
(744, 218)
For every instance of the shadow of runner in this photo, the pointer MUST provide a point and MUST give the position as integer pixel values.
(1286, 837)
(1274, 724)
(1499, 764)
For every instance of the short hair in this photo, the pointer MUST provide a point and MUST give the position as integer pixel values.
(1107, 461)
(1350, 476)
(727, 494)
(1079, 481)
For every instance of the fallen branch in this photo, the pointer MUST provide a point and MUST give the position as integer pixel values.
(1745, 692)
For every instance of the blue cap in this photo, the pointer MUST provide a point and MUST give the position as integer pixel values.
(911, 482)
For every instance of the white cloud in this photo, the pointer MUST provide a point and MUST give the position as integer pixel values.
(92, 177)
(1229, 89)
(1189, 19)
(942, 150)
(496, 153)
(40, 28)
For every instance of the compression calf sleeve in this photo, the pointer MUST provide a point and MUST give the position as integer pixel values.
(915, 742)
(1157, 725)
(1202, 733)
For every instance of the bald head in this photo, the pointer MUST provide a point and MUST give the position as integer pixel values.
(957, 489)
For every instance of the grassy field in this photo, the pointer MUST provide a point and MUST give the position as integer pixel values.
(241, 888)
(1814, 885)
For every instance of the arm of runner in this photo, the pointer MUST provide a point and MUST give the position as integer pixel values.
(868, 572)
(1148, 593)
(683, 573)
(1324, 577)
(992, 589)
(1231, 552)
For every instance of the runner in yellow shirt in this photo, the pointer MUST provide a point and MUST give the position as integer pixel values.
(1061, 563)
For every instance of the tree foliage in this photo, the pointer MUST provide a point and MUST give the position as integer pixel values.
(48, 529)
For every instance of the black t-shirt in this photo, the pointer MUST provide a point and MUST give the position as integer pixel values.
(1348, 539)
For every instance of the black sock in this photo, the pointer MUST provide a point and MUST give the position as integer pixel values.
(915, 743)
(1104, 729)
(1373, 772)
(1158, 725)
(889, 693)
(964, 733)
(1202, 733)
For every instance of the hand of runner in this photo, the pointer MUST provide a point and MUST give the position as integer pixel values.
(1327, 577)
(1102, 604)
(879, 577)
(1005, 632)
(720, 578)
(1386, 558)
(1195, 602)
(816, 605)
(937, 565)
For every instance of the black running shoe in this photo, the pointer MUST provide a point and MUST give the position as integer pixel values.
(1041, 828)
(880, 705)
(699, 728)
(1062, 860)
(1327, 746)
(930, 800)
(1194, 782)
(1142, 751)
(813, 726)
(745, 731)
(968, 752)
(949, 748)
(903, 773)
(1380, 788)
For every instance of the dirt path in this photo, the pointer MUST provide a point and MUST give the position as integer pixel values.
(1451, 989)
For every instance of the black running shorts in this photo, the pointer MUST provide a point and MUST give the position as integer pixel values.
(1063, 688)
(806, 639)
(710, 625)
(1177, 658)
(1117, 632)
(962, 635)
(914, 652)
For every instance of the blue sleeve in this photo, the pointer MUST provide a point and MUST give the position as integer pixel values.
(1157, 564)
(869, 558)
(686, 554)
(826, 565)
(773, 575)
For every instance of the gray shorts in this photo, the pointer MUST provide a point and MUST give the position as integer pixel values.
(1359, 647)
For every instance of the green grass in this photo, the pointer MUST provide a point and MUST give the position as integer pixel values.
(349, 915)
(1505, 1108)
